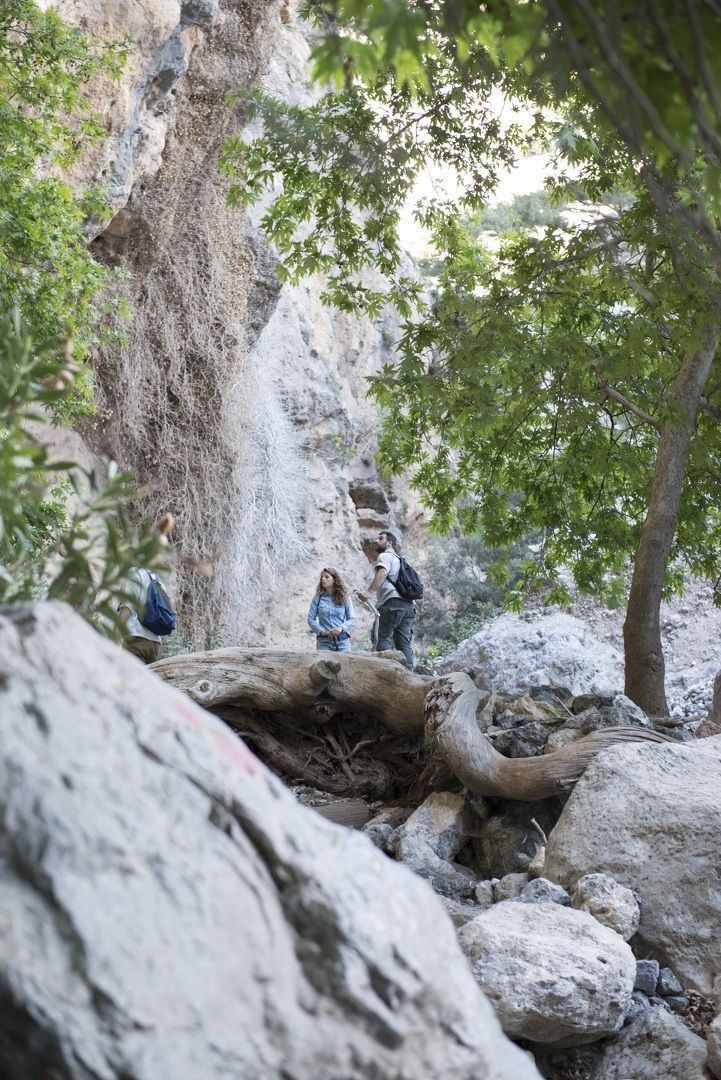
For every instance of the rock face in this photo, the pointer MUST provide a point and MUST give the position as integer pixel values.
(169, 910)
(240, 403)
(554, 975)
(649, 817)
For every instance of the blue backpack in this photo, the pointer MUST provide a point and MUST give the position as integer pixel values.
(158, 615)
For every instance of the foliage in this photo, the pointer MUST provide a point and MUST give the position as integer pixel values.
(650, 72)
(463, 589)
(348, 163)
(45, 123)
(47, 549)
(523, 212)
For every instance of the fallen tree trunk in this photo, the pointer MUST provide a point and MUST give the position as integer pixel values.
(273, 680)
(351, 724)
(453, 734)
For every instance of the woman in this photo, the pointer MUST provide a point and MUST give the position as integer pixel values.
(330, 615)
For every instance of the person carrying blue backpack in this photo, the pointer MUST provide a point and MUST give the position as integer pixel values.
(147, 613)
(330, 615)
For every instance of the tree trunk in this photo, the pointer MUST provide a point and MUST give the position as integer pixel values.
(644, 662)
(352, 724)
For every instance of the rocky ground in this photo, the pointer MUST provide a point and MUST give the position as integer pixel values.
(169, 909)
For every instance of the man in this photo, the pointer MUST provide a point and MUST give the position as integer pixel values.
(396, 614)
(141, 642)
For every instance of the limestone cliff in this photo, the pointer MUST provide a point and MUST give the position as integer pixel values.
(240, 403)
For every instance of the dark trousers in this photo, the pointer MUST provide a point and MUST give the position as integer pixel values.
(396, 624)
(146, 650)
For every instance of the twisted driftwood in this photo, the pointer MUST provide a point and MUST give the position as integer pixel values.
(282, 701)
(452, 731)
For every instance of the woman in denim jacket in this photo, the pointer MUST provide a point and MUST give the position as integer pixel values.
(330, 615)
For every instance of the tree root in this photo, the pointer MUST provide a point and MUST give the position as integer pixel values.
(452, 731)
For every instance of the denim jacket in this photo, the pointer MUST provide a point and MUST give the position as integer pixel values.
(325, 614)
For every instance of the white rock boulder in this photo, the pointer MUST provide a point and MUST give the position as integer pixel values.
(554, 975)
(649, 816)
(169, 910)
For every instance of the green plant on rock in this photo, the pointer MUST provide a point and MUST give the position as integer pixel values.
(80, 550)
(46, 270)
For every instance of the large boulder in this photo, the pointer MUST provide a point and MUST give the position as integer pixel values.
(169, 910)
(514, 652)
(554, 975)
(648, 815)
(655, 1046)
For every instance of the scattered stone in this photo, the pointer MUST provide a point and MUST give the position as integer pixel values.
(509, 887)
(508, 720)
(542, 889)
(667, 983)
(612, 904)
(639, 1003)
(483, 893)
(382, 835)
(582, 702)
(655, 1046)
(649, 815)
(521, 742)
(633, 712)
(659, 1002)
(460, 911)
(442, 822)
(558, 697)
(676, 1002)
(558, 739)
(646, 976)
(554, 975)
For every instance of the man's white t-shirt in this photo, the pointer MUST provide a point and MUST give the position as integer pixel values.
(388, 560)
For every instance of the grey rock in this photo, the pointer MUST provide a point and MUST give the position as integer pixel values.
(655, 1046)
(382, 835)
(170, 910)
(646, 976)
(676, 1002)
(557, 740)
(612, 904)
(508, 720)
(590, 701)
(638, 1004)
(558, 696)
(459, 911)
(658, 1002)
(442, 822)
(542, 889)
(483, 893)
(633, 712)
(668, 983)
(648, 816)
(507, 841)
(554, 975)
(509, 887)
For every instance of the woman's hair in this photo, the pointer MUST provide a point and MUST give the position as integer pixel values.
(339, 591)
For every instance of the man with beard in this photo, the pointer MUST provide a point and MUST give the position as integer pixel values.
(396, 615)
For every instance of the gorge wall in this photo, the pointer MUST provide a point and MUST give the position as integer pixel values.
(240, 403)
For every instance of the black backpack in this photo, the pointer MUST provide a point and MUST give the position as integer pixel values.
(408, 584)
(158, 615)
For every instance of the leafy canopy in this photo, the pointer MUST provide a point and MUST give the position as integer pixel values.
(531, 389)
